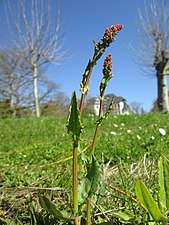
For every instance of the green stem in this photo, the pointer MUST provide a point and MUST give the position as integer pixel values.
(75, 175)
(88, 212)
(94, 140)
(98, 125)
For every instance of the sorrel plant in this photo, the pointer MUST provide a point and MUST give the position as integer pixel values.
(91, 182)
(85, 192)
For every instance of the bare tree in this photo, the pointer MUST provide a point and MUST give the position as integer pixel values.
(153, 50)
(37, 37)
(56, 106)
(13, 78)
(136, 107)
(48, 91)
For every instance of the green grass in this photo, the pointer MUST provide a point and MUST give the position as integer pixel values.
(31, 148)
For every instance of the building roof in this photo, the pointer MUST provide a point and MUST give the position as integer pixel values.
(117, 99)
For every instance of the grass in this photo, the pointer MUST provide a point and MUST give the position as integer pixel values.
(34, 158)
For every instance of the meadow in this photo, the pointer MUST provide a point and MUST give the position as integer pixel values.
(35, 157)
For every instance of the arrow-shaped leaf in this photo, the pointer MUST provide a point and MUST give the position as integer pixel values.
(91, 182)
(95, 175)
(83, 190)
(74, 126)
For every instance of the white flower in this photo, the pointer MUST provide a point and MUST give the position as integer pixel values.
(115, 125)
(113, 133)
(128, 131)
(122, 124)
(138, 137)
(152, 137)
(162, 131)
(140, 128)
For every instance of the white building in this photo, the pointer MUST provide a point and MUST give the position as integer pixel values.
(119, 106)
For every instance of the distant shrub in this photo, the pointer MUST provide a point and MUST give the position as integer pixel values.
(5, 110)
(53, 109)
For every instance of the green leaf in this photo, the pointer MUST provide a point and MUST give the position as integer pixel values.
(124, 217)
(95, 175)
(85, 75)
(83, 190)
(109, 110)
(91, 183)
(74, 126)
(163, 181)
(95, 45)
(51, 208)
(104, 83)
(148, 202)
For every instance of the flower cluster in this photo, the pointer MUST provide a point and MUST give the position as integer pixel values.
(142, 132)
(110, 33)
(107, 67)
(108, 38)
(107, 73)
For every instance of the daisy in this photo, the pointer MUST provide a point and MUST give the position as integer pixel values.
(162, 131)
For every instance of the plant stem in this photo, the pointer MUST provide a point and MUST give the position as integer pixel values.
(88, 212)
(95, 139)
(75, 175)
(81, 104)
(83, 94)
(91, 66)
(98, 125)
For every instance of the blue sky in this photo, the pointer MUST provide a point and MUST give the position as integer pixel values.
(86, 21)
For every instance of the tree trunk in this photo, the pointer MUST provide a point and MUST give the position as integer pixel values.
(12, 98)
(11, 101)
(35, 90)
(163, 100)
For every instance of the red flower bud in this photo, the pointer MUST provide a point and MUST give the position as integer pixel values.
(107, 67)
(109, 35)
